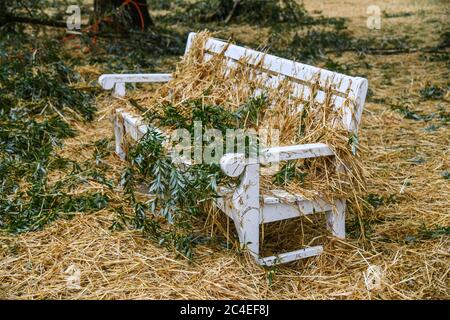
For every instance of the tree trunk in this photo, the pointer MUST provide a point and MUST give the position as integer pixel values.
(2, 13)
(123, 14)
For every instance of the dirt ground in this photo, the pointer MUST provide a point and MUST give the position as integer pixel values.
(407, 244)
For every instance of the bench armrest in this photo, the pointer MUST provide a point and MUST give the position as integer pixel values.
(233, 164)
(300, 151)
(117, 81)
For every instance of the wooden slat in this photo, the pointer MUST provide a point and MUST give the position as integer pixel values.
(282, 66)
(271, 212)
(107, 81)
(303, 151)
(291, 256)
(299, 91)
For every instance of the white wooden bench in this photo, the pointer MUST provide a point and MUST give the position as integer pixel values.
(245, 205)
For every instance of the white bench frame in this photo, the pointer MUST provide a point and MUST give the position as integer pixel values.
(245, 205)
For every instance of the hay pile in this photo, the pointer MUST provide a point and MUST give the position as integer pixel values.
(213, 83)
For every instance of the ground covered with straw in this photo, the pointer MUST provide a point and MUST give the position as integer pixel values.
(401, 237)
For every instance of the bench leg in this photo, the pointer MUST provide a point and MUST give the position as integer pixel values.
(245, 204)
(336, 219)
(119, 133)
(119, 90)
(250, 232)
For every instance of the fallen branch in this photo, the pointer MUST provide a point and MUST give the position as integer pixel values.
(230, 15)
(375, 51)
(392, 51)
(43, 22)
(87, 31)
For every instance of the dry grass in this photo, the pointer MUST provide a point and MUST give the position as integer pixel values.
(407, 161)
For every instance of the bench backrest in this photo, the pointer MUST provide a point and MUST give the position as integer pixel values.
(349, 93)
